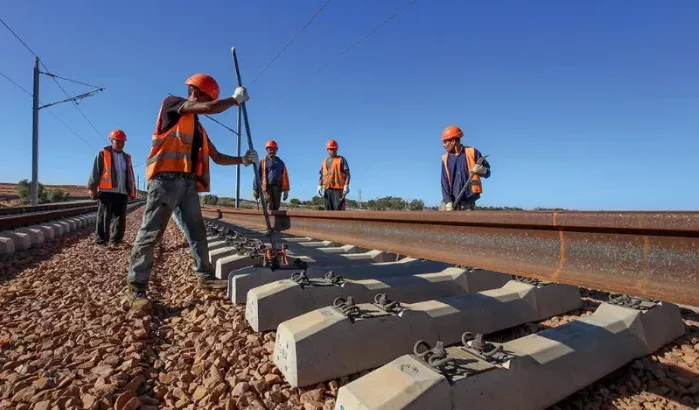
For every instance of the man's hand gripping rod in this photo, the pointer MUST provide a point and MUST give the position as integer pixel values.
(255, 166)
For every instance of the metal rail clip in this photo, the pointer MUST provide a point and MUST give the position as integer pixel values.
(347, 307)
(531, 281)
(434, 356)
(330, 279)
(382, 301)
(475, 345)
(633, 302)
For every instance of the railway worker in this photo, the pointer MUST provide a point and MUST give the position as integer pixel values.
(334, 181)
(112, 183)
(274, 178)
(456, 164)
(177, 170)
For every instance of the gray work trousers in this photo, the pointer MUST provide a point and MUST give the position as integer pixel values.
(333, 199)
(165, 194)
(273, 197)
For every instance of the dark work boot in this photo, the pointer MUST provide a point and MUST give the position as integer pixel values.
(211, 282)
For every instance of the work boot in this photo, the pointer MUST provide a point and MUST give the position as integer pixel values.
(139, 300)
(211, 282)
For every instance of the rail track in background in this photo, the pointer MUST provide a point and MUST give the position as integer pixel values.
(366, 303)
(23, 216)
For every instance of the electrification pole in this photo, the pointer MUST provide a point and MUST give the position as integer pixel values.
(35, 136)
(35, 126)
(237, 167)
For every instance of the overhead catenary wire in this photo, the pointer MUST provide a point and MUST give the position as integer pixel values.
(362, 38)
(298, 32)
(55, 78)
(50, 112)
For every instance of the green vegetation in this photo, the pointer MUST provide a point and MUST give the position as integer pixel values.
(24, 190)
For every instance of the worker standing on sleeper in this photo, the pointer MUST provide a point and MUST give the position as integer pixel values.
(456, 164)
(177, 170)
(334, 181)
(112, 183)
(273, 177)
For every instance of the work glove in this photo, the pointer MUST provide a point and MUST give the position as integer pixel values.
(320, 190)
(241, 95)
(345, 190)
(255, 195)
(93, 194)
(285, 195)
(478, 169)
(250, 157)
(449, 206)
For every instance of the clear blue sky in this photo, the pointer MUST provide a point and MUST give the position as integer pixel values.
(585, 105)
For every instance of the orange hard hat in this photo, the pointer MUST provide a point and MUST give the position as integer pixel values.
(271, 144)
(452, 132)
(332, 144)
(205, 83)
(117, 135)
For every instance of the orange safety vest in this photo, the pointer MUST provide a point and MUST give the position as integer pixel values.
(285, 176)
(334, 178)
(470, 156)
(106, 182)
(171, 151)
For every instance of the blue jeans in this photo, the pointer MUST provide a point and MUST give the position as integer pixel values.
(165, 195)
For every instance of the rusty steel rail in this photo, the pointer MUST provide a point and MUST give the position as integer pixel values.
(33, 218)
(651, 254)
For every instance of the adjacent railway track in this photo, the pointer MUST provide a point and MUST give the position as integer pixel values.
(650, 254)
(15, 210)
(46, 213)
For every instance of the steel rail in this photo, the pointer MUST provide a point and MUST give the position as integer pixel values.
(650, 254)
(14, 210)
(20, 220)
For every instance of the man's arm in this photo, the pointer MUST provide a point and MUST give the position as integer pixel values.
(96, 173)
(485, 164)
(345, 167)
(446, 187)
(222, 159)
(215, 106)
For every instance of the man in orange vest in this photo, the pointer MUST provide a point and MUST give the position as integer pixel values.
(334, 179)
(178, 170)
(456, 164)
(112, 183)
(273, 178)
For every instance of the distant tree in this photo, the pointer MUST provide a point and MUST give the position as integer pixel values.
(416, 205)
(24, 190)
(210, 199)
(294, 201)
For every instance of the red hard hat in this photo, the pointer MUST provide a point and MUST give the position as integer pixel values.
(271, 144)
(452, 132)
(117, 135)
(205, 83)
(332, 144)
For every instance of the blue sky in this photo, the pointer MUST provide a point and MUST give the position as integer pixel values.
(584, 105)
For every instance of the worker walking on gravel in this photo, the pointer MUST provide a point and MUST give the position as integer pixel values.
(274, 178)
(177, 170)
(334, 181)
(456, 164)
(112, 183)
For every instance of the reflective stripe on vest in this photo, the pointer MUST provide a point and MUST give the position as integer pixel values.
(171, 151)
(470, 157)
(334, 178)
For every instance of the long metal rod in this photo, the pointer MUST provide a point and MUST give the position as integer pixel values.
(244, 109)
(237, 167)
(35, 136)
(651, 254)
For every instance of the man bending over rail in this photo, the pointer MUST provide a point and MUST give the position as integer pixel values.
(177, 170)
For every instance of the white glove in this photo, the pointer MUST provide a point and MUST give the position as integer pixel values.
(250, 157)
(449, 206)
(241, 95)
(285, 195)
(478, 169)
(320, 190)
(345, 190)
